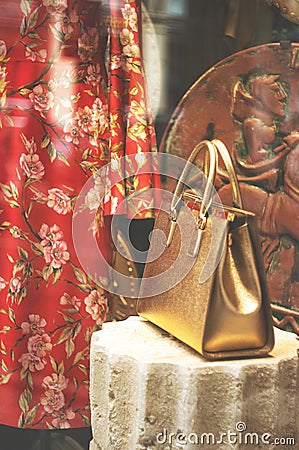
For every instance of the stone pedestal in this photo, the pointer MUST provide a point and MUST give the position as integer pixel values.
(151, 392)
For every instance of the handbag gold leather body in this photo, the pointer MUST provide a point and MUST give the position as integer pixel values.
(226, 314)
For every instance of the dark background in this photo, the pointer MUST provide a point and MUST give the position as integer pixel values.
(197, 34)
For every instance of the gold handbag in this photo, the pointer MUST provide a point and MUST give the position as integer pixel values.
(226, 313)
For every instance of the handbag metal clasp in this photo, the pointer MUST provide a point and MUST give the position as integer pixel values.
(202, 222)
(173, 218)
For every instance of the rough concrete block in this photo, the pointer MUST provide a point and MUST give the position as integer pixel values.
(151, 392)
(93, 445)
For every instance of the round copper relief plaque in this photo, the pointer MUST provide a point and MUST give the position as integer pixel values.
(250, 101)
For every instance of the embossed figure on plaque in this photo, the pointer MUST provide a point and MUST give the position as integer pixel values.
(268, 159)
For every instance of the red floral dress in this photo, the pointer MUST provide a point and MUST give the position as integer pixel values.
(63, 115)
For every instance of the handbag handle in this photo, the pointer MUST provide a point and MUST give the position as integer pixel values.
(212, 168)
(214, 147)
(226, 158)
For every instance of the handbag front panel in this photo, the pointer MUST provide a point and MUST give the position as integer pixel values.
(181, 306)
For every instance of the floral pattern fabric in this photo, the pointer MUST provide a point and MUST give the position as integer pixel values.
(72, 98)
